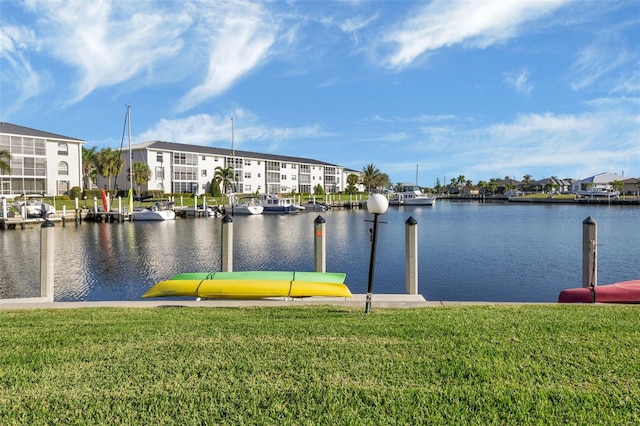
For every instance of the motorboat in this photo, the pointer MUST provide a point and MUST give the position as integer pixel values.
(34, 206)
(158, 212)
(274, 204)
(411, 195)
(314, 206)
(245, 207)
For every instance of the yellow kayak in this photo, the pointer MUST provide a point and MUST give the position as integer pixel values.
(252, 285)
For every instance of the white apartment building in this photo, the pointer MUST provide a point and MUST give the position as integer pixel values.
(41, 162)
(183, 168)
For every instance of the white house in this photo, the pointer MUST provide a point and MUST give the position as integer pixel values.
(599, 184)
(183, 168)
(41, 162)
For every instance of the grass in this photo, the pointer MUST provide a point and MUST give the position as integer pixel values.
(529, 364)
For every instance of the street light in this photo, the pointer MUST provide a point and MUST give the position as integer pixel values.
(376, 204)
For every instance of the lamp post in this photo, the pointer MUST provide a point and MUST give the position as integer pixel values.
(376, 204)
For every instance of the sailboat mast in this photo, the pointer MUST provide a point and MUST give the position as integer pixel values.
(130, 154)
(233, 149)
(416, 175)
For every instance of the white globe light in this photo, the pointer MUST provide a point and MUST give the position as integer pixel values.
(377, 203)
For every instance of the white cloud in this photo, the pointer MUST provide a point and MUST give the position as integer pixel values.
(107, 42)
(476, 24)
(17, 72)
(240, 41)
(519, 81)
(215, 130)
(599, 60)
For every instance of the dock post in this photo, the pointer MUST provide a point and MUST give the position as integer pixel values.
(120, 215)
(195, 206)
(589, 253)
(226, 254)
(4, 214)
(76, 213)
(411, 256)
(64, 216)
(47, 260)
(319, 245)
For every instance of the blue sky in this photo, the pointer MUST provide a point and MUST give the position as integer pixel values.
(476, 88)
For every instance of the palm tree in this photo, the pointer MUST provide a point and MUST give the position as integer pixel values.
(89, 166)
(370, 173)
(526, 180)
(141, 175)
(5, 159)
(109, 164)
(226, 177)
(617, 185)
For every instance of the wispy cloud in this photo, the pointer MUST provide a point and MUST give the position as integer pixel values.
(601, 59)
(107, 43)
(18, 72)
(240, 40)
(473, 24)
(519, 81)
(215, 130)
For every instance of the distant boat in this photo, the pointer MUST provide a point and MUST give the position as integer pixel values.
(34, 206)
(274, 204)
(245, 206)
(155, 213)
(411, 195)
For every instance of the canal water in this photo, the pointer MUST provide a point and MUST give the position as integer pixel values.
(468, 251)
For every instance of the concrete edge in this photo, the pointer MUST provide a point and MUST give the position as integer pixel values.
(358, 300)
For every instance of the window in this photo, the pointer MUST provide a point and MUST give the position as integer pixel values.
(159, 157)
(283, 177)
(293, 166)
(247, 175)
(203, 172)
(204, 158)
(215, 158)
(293, 177)
(63, 187)
(159, 172)
(63, 168)
(63, 149)
(247, 162)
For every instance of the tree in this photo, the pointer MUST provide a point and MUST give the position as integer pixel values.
(617, 185)
(89, 166)
(370, 173)
(5, 161)
(352, 181)
(319, 190)
(526, 180)
(225, 177)
(141, 175)
(109, 164)
(214, 189)
(483, 185)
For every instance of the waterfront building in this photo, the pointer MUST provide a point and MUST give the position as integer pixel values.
(183, 168)
(600, 183)
(41, 162)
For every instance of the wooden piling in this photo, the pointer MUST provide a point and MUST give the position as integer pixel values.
(319, 245)
(411, 256)
(589, 253)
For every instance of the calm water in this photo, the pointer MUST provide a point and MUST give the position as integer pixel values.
(467, 251)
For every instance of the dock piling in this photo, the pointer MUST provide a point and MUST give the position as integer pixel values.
(319, 245)
(589, 253)
(411, 256)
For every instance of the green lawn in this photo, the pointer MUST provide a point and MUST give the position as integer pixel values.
(520, 364)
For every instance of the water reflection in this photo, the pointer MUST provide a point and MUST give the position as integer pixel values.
(467, 251)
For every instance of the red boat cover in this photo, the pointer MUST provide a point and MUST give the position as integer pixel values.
(624, 292)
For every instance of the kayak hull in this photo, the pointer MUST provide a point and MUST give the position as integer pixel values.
(623, 292)
(251, 285)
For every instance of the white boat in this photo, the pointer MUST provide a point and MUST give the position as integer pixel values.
(245, 206)
(154, 213)
(33, 206)
(598, 192)
(274, 204)
(411, 195)
(315, 207)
